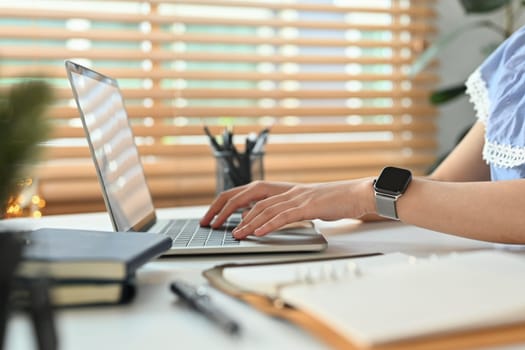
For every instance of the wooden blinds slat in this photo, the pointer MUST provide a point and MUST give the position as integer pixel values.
(330, 79)
(163, 37)
(159, 56)
(420, 11)
(312, 6)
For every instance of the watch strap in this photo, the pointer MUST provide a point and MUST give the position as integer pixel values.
(386, 206)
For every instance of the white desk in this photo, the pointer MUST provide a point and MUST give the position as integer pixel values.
(154, 321)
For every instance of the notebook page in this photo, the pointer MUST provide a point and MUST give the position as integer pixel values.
(465, 291)
(266, 278)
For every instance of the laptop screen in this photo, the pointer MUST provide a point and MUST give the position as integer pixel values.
(112, 145)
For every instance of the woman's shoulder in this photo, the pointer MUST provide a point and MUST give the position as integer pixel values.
(497, 89)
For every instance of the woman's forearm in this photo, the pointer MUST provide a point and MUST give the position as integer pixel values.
(490, 211)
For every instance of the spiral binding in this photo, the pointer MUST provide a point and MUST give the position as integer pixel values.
(333, 271)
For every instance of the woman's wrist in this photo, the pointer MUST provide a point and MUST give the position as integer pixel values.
(367, 198)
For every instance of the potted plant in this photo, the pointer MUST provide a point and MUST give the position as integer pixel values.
(23, 126)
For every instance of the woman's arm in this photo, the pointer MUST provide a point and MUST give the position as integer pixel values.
(480, 209)
(484, 210)
(457, 199)
(465, 162)
(463, 201)
(489, 211)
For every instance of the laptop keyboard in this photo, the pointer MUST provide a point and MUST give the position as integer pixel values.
(189, 233)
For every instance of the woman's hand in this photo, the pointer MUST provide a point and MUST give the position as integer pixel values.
(241, 197)
(278, 204)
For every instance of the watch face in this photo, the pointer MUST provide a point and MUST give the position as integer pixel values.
(393, 180)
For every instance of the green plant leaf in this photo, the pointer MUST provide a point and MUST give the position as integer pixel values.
(22, 126)
(447, 94)
(429, 54)
(490, 48)
(482, 6)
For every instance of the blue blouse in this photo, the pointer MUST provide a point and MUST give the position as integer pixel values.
(497, 90)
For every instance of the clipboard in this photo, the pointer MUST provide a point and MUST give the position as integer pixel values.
(495, 336)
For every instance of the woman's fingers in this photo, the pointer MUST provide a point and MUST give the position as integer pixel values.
(217, 206)
(240, 197)
(272, 213)
(270, 220)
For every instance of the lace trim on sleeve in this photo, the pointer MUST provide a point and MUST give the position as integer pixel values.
(479, 96)
(503, 156)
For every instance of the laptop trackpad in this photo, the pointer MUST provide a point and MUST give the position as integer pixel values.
(296, 233)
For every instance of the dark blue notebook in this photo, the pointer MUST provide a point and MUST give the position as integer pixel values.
(80, 255)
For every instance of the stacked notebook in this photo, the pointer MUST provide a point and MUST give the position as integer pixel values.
(86, 267)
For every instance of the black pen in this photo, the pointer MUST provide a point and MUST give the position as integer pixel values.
(213, 141)
(236, 157)
(250, 142)
(199, 300)
(234, 172)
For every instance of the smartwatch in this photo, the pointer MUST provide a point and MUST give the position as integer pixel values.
(388, 187)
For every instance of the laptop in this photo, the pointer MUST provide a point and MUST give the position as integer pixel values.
(125, 190)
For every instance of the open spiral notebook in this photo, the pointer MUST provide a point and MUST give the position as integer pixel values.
(391, 298)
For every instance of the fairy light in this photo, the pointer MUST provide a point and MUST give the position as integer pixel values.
(25, 204)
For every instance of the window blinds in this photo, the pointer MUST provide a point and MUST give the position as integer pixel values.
(329, 77)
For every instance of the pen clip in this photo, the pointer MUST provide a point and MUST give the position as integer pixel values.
(260, 141)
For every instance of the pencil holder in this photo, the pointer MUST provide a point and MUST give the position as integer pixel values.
(236, 169)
